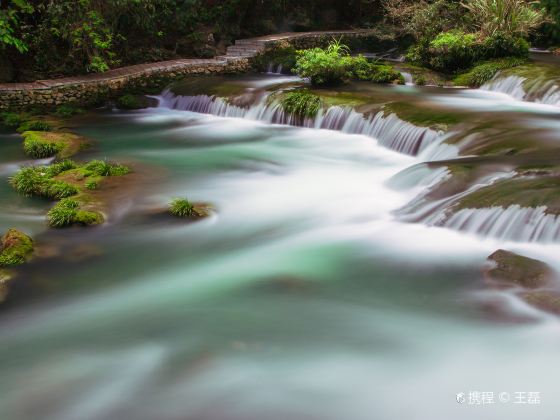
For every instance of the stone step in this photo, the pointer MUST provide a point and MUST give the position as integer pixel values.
(236, 48)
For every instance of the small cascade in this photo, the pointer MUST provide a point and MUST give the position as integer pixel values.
(408, 80)
(542, 91)
(510, 85)
(389, 130)
(514, 223)
(274, 68)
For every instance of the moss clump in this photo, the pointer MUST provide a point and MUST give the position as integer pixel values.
(518, 270)
(532, 192)
(72, 184)
(42, 144)
(421, 116)
(484, 72)
(362, 69)
(301, 103)
(132, 102)
(68, 212)
(15, 248)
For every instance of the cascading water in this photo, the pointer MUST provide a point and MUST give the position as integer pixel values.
(514, 223)
(389, 130)
(540, 90)
(510, 85)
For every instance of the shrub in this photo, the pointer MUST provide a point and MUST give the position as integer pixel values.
(34, 125)
(502, 45)
(324, 67)
(452, 51)
(484, 72)
(419, 79)
(301, 103)
(514, 18)
(182, 207)
(37, 146)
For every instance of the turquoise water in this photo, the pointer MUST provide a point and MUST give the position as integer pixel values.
(302, 297)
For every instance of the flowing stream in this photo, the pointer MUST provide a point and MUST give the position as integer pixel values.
(307, 295)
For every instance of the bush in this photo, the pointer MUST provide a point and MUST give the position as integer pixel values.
(501, 45)
(452, 51)
(324, 67)
(484, 72)
(301, 103)
(182, 207)
(34, 125)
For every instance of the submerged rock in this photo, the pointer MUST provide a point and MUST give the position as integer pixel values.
(516, 270)
(546, 300)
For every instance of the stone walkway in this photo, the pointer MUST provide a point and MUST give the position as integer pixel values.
(84, 89)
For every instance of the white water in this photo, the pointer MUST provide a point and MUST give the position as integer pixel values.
(545, 92)
(514, 223)
(389, 130)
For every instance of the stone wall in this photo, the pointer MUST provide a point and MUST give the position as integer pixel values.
(90, 89)
(86, 90)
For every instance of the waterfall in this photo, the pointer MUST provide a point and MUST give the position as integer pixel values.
(514, 223)
(542, 91)
(274, 69)
(510, 85)
(389, 130)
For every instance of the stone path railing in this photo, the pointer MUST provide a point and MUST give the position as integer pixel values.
(92, 87)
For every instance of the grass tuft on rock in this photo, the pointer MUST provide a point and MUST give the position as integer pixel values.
(67, 212)
(181, 207)
(43, 144)
(484, 72)
(34, 125)
(301, 103)
(15, 248)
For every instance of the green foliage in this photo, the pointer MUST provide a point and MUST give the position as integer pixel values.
(36, 180)
(9, 23)
(57, 168)
(325, 67)
(551, 29)
(104, 168)
(37, 147)
(283, 54)
(484, 72)
(181, 207)
(452, 51)
(362, 69)
(514, 18)
(13, 119)
(66, 111)
(67, 212)
(301, 103)
(131, 102)
(15, 248)
(34, 125)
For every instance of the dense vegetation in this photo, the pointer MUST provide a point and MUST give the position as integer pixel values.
(49, 38)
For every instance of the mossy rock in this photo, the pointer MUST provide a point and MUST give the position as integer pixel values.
(516, 270)
(131, 102)
(546, 300)
(44, 144)
(15, 248)
(422, 116)
(184, 209)
(525, 192)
